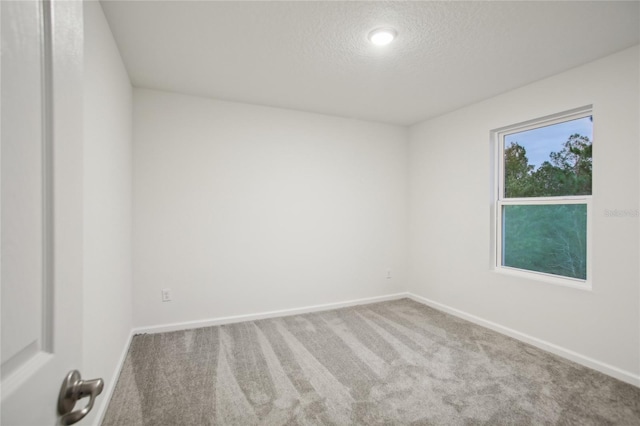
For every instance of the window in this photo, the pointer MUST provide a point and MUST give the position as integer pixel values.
(542, 200)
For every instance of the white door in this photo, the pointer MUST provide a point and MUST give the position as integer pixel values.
(40, 205)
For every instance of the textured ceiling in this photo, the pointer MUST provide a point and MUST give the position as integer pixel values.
(314, 56)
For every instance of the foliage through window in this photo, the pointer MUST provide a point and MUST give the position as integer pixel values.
(543, 195)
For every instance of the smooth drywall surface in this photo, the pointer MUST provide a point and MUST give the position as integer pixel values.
(450, 218)
(107, 203)
(242, 209)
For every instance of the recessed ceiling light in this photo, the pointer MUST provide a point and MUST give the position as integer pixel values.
(382, 36)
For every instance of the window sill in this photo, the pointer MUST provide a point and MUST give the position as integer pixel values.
(545, 278)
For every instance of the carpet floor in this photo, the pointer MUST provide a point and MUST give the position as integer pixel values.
(393, 363)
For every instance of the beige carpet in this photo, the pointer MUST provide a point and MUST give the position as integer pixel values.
(394, 363)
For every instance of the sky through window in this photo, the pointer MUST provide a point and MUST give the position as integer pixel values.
(542, 141)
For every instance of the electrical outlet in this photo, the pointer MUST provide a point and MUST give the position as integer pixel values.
(166, 295)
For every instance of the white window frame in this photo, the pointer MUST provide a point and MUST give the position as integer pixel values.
(499, 201)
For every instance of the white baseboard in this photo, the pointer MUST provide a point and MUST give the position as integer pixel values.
(270, 314)
(110, 384)
(625, 376)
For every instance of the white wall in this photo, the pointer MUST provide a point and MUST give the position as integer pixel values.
(450, 216)
(107, 204)
(243, 209)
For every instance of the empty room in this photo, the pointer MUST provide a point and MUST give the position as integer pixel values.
(320, 212)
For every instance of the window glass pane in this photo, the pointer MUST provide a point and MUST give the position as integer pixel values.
(549, 161)
(546, 238)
